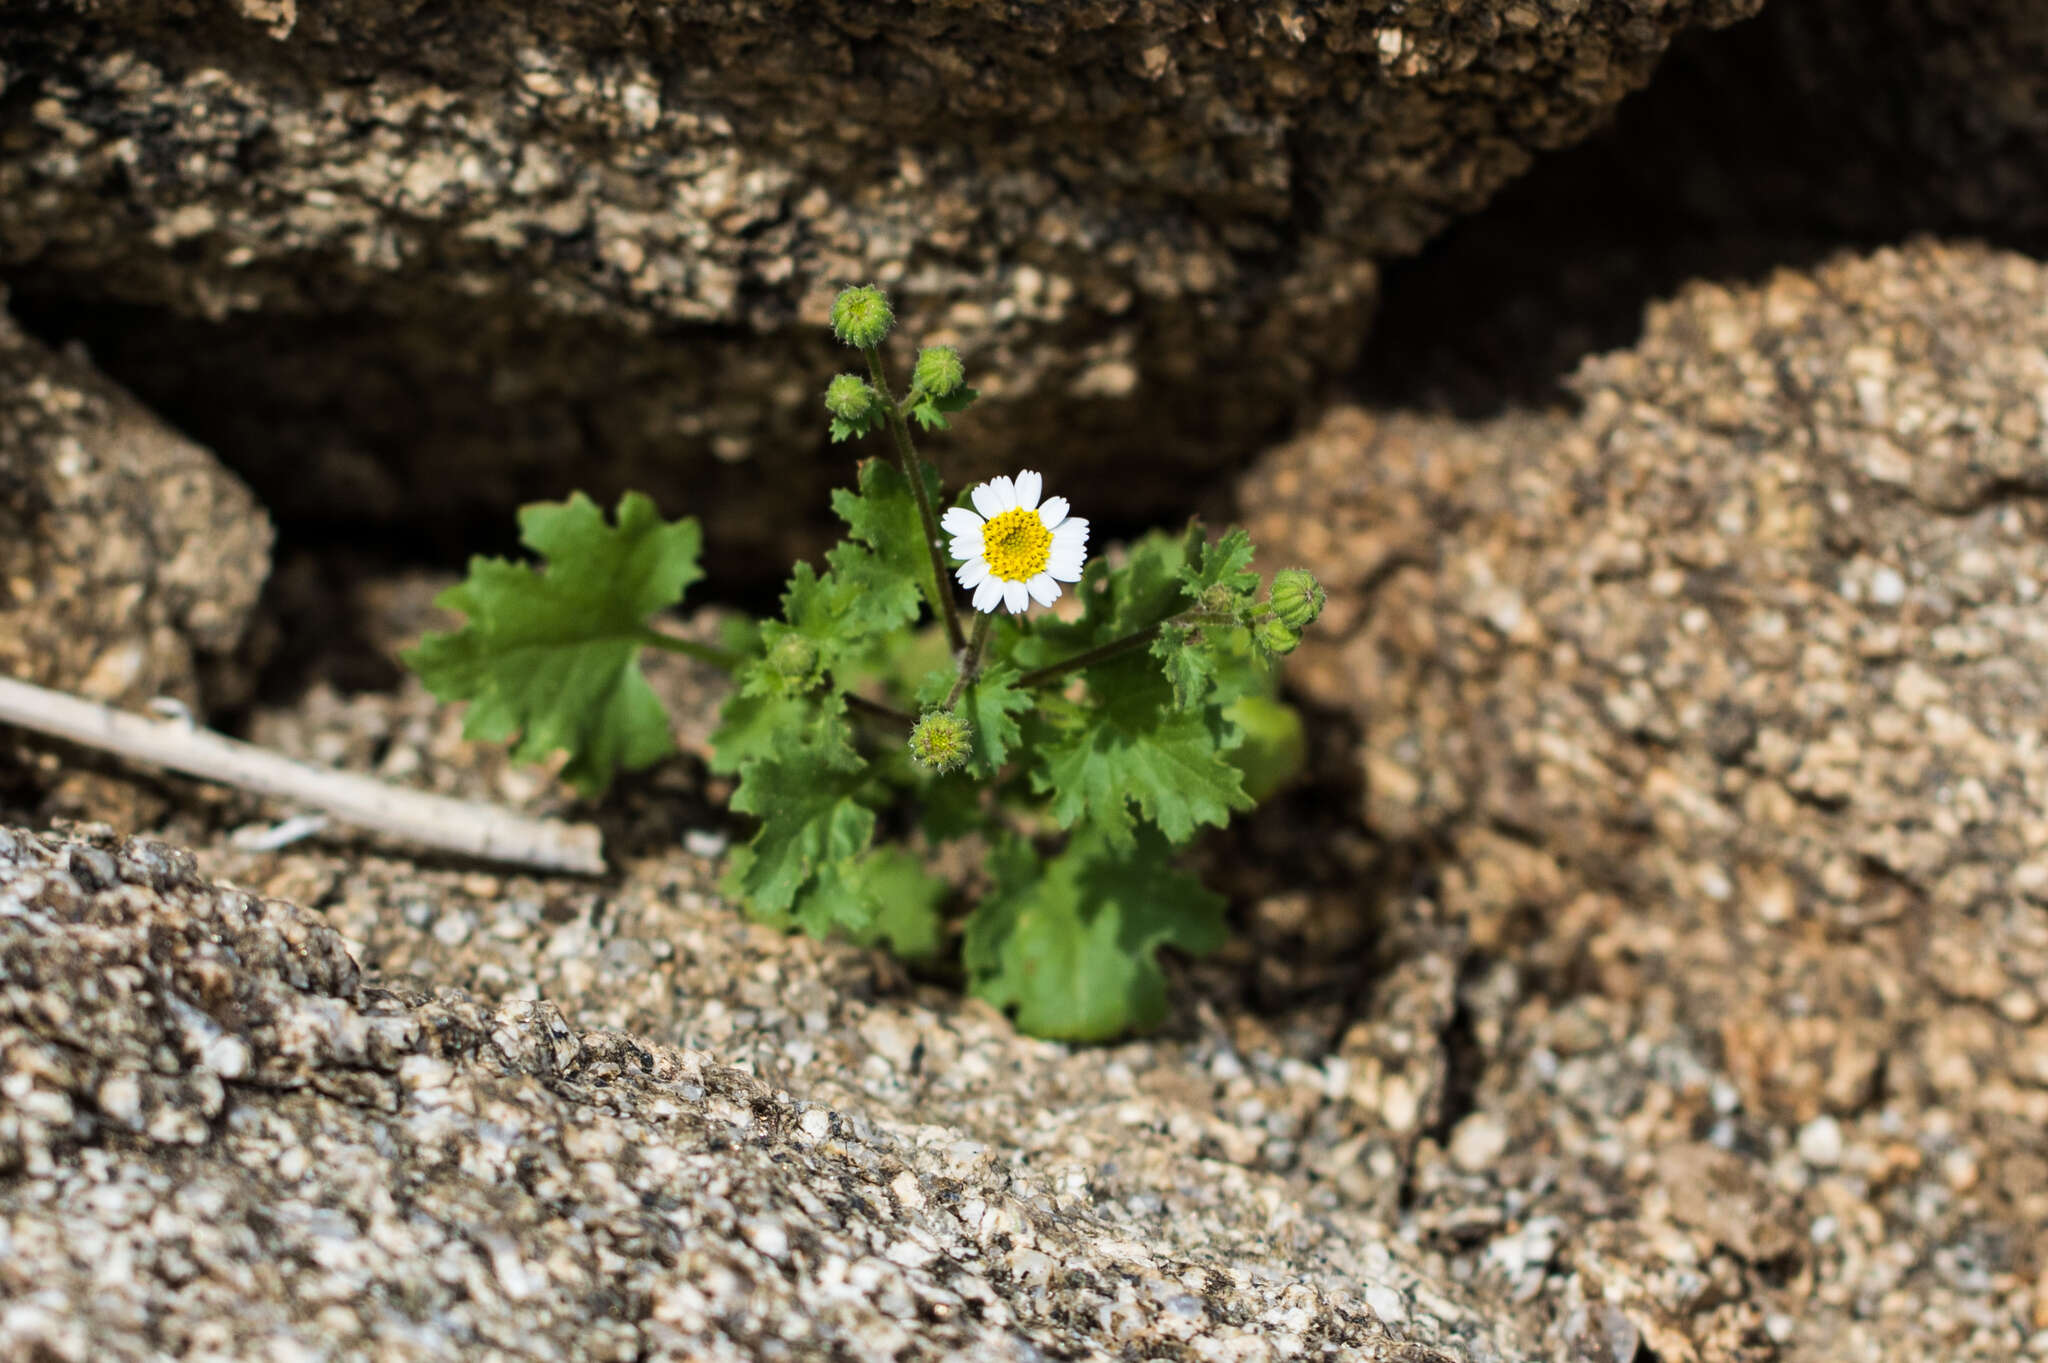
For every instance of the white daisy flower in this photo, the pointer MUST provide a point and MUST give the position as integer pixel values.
(1018, 550)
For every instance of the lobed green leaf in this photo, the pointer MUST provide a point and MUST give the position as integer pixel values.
(1070, 946)
(552, 655)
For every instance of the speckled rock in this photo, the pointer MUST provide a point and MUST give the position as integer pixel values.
(421, 268)
(129, 558)
(219, 1138)
(1721, 704)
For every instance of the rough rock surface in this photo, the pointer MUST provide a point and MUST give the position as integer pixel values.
(129, 558)
(219, 1138)
(416, 265)
(1719, 708)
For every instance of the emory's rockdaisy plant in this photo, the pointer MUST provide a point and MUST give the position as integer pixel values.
(1018, 549)
(1001, 801)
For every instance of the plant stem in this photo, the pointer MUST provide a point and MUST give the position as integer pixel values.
(878, 710)
(970, 661)
(1039, 676)
(906, 456)
(723, 659)
(1115, 647)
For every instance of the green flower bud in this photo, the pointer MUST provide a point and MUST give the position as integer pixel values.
(1276, 638)
(1219, 597)
(861, 316)
(1297, 598)
(941, 741)
(939, 372)
(794, 659)
(850, 398)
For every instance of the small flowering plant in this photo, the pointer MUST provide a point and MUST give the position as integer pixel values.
(1051, 761)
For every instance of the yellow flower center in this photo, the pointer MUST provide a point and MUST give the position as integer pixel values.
(1016, 545)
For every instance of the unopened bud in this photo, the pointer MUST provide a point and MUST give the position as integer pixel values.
(1275, 637)
(939, 372)
(861, 316)
(1297, 598)
(794, 659)
(941, 741)
(850, 398)
(1219, 597)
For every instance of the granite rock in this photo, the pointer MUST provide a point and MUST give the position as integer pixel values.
(220, 1137)
(1718, 705)
(416, 268)
(130, 560)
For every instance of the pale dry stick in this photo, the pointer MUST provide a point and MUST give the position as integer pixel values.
(449, 825)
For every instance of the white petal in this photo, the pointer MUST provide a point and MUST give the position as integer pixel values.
(1052, 511)
(1071, 531)
(972, 572)
(1065, 569)
(966, 546)
(1015, 597)
(1006, 490)
(958, 520)
(985, 500)
(988, 594)
(1029, 485)
(1043, 589)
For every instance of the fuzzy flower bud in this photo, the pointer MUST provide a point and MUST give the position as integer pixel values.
(1297, 598)
(941, 741)
(794, 659)
(850, 398)
(1219, 597)
(861, 316)
(939, 372)
(1276, 638)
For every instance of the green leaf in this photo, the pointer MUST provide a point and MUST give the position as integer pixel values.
(855, 605)
(1211, 664)
(552, 655)
(762, 721)
(809, 818)
(883, 515)
(1226, 563)
(1190, 667)
(1135, 748)
(842, 429)
(1072, 947)
(884, 896)
(930, 412)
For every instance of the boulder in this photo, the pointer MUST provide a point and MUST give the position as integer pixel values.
(414, 267)
(1718, 708)
(130, 560)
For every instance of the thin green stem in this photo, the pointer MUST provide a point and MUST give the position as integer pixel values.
(1117, 647)
(906, 456)
(723, 659)
(970, 661)
(878, 710)
(1039, 676)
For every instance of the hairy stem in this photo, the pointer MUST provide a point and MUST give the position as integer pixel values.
(878, 710)
(1137, 638)
(970, 661)
(906, 456)
(723, 659)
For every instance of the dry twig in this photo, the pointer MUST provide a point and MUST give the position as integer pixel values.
(461, 826)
